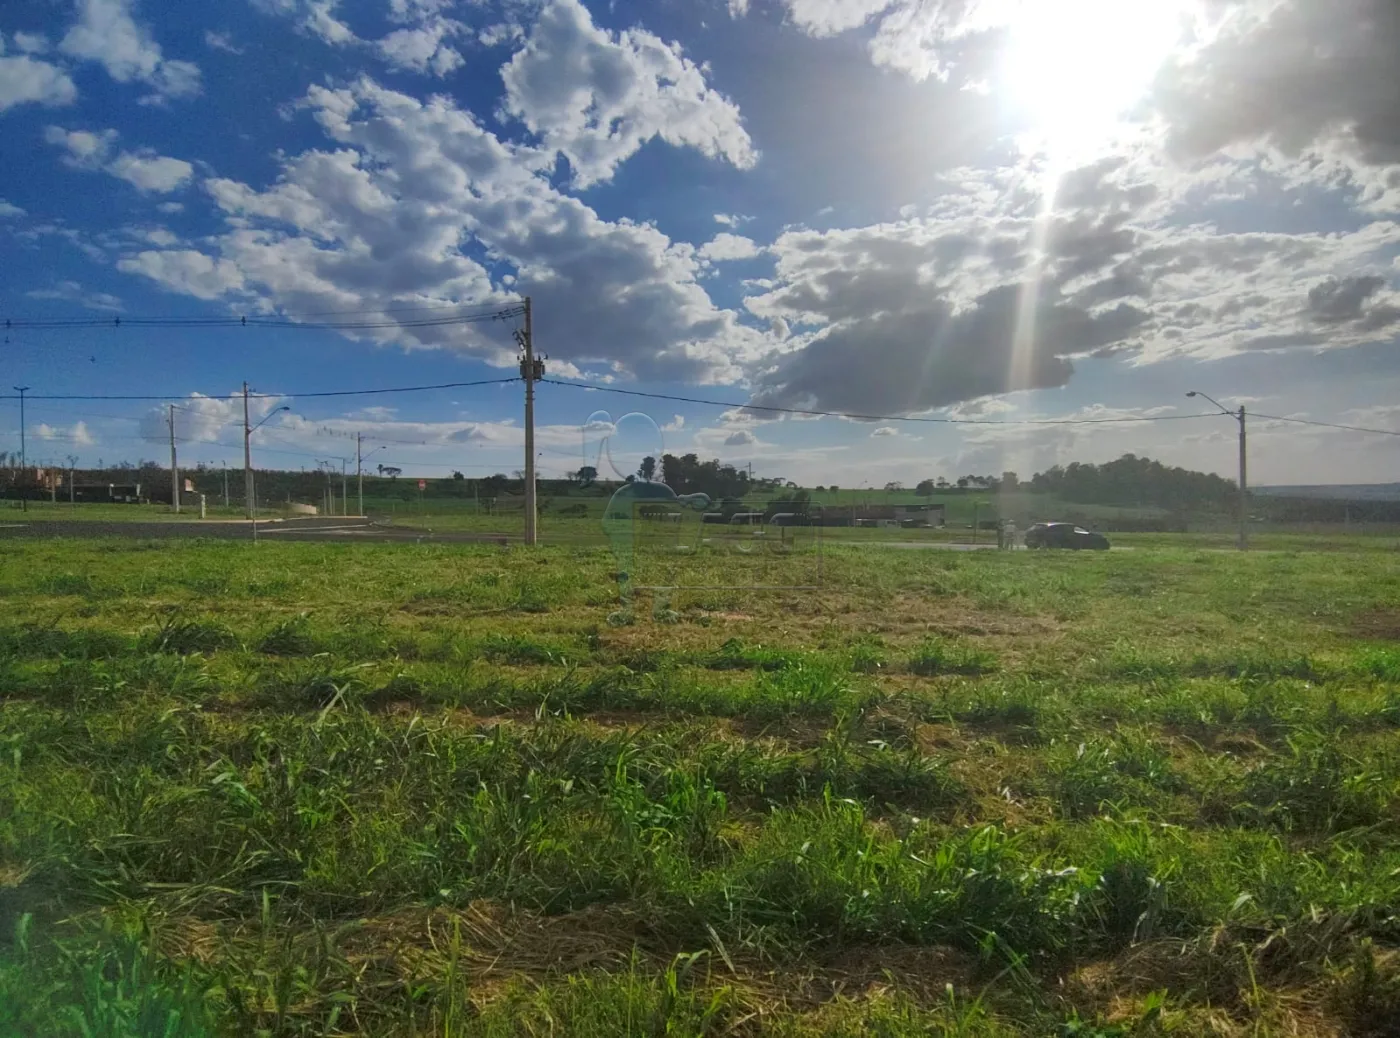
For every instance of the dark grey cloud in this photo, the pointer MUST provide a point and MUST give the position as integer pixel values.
(1342, 299)
(932, 355)
(1291, 74)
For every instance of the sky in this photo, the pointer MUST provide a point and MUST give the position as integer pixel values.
(992, 225)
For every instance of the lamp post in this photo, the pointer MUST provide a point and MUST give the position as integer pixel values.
(248, 463)
(1238, 416)
(23, 460)
(360, 457)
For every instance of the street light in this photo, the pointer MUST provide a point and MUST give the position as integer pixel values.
(247, 462)
(1238, 416)
(360, 472)
(23, 462)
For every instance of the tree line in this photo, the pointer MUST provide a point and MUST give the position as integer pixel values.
(1132, 481)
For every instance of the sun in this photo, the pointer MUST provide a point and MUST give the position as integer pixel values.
(1072, 68)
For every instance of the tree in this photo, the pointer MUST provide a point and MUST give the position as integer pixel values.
(687, 474)
(457, 475)
(393, 472)
(1009, 480)
(647, 469)
(586, 475)
(834, 488)
(925, 488)
(894, 484)
(1132, 481)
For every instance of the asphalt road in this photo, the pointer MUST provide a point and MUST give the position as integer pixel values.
(341, 530)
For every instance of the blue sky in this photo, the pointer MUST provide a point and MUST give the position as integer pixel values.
(979, 209)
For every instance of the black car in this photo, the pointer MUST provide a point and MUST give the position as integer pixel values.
(1064, 535)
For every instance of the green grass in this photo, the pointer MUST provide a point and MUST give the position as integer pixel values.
(304, 789)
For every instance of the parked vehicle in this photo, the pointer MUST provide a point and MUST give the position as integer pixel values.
(1065, 535)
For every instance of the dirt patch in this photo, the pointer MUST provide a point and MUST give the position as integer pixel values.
(924, 972)
(1381, 624)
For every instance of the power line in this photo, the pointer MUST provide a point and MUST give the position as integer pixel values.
(1326, 425)
(268, 396)
(877, 417)
(287, 321)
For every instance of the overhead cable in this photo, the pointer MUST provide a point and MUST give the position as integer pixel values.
(1326, 425)
(165, 397)
(877, 417)
(496, 313)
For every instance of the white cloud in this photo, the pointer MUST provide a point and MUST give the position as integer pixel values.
(422, 44)
(731, 219)
(73, 292)
(8, 210)
(830, 17)
(738, 8)
(85, 149)
(885, 431)
(317, 17)
(597, 96)
(171, 207)
(221, 41)
(144, 169)
(31, 42)
(151, 172)
(76, 434)
(382, 220)
(158, 236)
(107, 33)
(26, 80)
(185, 270)
(725, 247)
(740, 438)
(422, 49)
(207, 419)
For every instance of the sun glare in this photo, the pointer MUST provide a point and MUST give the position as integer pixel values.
(1073, 67)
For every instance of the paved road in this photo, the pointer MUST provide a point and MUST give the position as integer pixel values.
(344, 531)
(320, 529)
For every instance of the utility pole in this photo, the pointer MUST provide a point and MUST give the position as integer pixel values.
(174, 467)
(72, 480)
(23, 456)
(247, 457)
(344, 487)
(359, 469)
(1238, 416)
(531, 369)
(1244, 488)
(225, 465)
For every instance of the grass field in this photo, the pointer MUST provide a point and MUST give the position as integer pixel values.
(304, 789)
